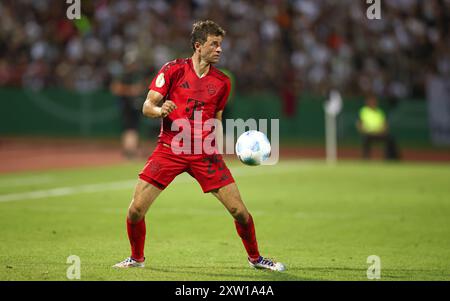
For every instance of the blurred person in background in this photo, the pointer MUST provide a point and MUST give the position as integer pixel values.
(373, 126)
(129, 87)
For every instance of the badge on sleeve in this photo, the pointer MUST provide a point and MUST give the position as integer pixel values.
(160, 80)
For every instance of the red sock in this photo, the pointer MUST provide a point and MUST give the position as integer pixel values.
(248, 236)
(136, 235)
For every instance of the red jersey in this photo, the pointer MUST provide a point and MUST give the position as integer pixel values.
(178, 82)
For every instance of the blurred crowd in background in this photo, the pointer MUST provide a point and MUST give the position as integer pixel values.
(306, 45)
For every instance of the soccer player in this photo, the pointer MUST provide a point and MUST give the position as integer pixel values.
(187, 88)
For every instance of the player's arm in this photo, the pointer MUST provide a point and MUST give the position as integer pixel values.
(152, 108)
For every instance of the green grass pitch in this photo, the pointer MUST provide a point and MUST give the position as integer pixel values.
(321, 221)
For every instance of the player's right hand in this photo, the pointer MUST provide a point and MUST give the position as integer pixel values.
(167, 107)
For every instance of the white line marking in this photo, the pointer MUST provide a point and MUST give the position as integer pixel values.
(129, 184)
(63, 191)
(24, 181)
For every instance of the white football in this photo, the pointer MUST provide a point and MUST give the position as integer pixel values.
(253, 148)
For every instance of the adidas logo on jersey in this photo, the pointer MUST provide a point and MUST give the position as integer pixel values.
(185, 85)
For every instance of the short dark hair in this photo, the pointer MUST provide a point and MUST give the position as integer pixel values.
(201, 30)
(371, 95)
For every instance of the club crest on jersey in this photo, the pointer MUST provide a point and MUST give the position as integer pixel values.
(211, 89)
(160, 80)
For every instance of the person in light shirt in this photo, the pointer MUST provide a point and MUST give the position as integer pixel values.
(373, 126)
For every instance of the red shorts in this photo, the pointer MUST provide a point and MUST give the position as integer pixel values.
(163, 166)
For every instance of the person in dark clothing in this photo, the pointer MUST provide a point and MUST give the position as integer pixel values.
(130, 88)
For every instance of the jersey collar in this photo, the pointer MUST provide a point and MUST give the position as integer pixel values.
(191, 65)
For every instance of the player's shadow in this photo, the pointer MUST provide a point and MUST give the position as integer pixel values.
(235, 274)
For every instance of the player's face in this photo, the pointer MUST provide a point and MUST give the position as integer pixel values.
(210, 50)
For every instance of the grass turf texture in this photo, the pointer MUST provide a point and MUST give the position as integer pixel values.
(321, 221)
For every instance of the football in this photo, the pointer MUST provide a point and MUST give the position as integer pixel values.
(253, 148)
